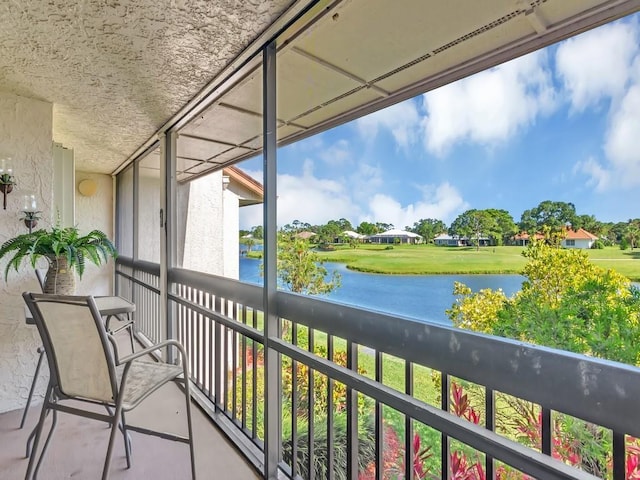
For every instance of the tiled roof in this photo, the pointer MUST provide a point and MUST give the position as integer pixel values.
(580, 234)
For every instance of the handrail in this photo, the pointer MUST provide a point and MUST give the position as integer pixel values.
(249, 295)
(142, 265)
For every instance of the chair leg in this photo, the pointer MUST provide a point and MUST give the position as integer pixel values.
(31, 437)
(187, 393)
(127, 441)
(33, 386)
(131, 335)
(38, 433)
(54, 422)
(114, 429)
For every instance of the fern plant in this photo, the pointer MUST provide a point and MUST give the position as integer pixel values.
(64, 243)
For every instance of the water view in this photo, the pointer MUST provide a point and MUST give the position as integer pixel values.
(422, 297)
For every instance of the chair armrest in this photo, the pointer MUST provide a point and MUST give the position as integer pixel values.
(152, 348)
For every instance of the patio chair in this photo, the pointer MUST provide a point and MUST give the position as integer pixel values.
(124, 322)
(84, 366)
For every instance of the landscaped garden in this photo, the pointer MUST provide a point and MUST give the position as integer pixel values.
(568, 301)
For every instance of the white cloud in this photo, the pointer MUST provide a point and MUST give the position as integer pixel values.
(443, 202)
(595, 65)
(337, 154)
(489, 107)
(401, 119)
(599, 177)
(603, 65)
(621, 144)
(306, 198)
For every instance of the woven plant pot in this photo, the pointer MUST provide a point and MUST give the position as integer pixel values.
(61, 280)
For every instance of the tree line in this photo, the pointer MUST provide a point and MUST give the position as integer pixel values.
(550, 218)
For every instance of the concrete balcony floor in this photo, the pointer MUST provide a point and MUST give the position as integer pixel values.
(79, 445)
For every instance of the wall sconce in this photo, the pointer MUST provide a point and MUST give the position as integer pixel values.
(6, 180)
(225, 182)
(30, 210)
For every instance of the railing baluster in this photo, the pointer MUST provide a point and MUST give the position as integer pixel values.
(218, 357)
(352, 414)
(408, 424)
(254, 380)
(619, 456)
(294, 405)
(490, 419)
(378, 426)
(445, 386)
(243, 372)
(311, 408)
(330, 419)
(546, 431)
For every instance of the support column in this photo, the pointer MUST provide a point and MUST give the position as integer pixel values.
(167, 231)
(272, 445)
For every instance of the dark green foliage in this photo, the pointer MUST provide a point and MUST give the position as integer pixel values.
(366, 446)
(57, 242)
(598, 245)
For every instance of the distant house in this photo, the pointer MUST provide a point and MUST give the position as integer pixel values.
(579, 239)
(446, 240)
(305, 235)
(390, 236)
(348, 235)
(523, 239)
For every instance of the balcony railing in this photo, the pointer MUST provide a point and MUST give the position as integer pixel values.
(355, 387)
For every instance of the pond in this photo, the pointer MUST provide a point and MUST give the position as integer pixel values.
(421, 297)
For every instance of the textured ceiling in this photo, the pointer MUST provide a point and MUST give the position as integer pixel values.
(116, 71)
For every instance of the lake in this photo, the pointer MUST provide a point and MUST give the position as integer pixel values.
(422, 297)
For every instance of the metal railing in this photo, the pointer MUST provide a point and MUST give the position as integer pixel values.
(139, 282)
(355, 388)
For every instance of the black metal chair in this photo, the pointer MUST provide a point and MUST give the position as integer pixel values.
(84, 366)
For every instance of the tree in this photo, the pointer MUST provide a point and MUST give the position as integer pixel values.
(552, 215)
(473, 224)
(632, 233)
(383, 227)
(566, 302)
(428, 228)
(506, 227)
(257, 232)
(367, 228)
(300, 269)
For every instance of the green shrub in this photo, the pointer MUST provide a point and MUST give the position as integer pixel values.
(598, 245)
(366, 445)
(389, 247)
(624, 244)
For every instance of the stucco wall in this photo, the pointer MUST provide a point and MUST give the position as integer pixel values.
(211, 226)
(26, 135)
(96, 212)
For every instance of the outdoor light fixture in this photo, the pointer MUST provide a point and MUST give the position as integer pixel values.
(30, 210)
(6, 180)
(225, 182)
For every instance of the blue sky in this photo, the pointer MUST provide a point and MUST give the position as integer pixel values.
(560, 124)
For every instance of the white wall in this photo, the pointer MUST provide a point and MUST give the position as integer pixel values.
(211, 227)
(93, 213)
(26, 127)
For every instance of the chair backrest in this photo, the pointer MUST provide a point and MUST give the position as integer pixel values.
(80, 358)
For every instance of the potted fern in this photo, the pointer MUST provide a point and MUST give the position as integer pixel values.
(65, 250)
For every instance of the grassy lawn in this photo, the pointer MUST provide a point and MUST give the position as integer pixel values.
(429, 259)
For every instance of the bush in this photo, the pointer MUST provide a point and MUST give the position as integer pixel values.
(624, 244)
(598, 245)
(389, 247)
(366, 445)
